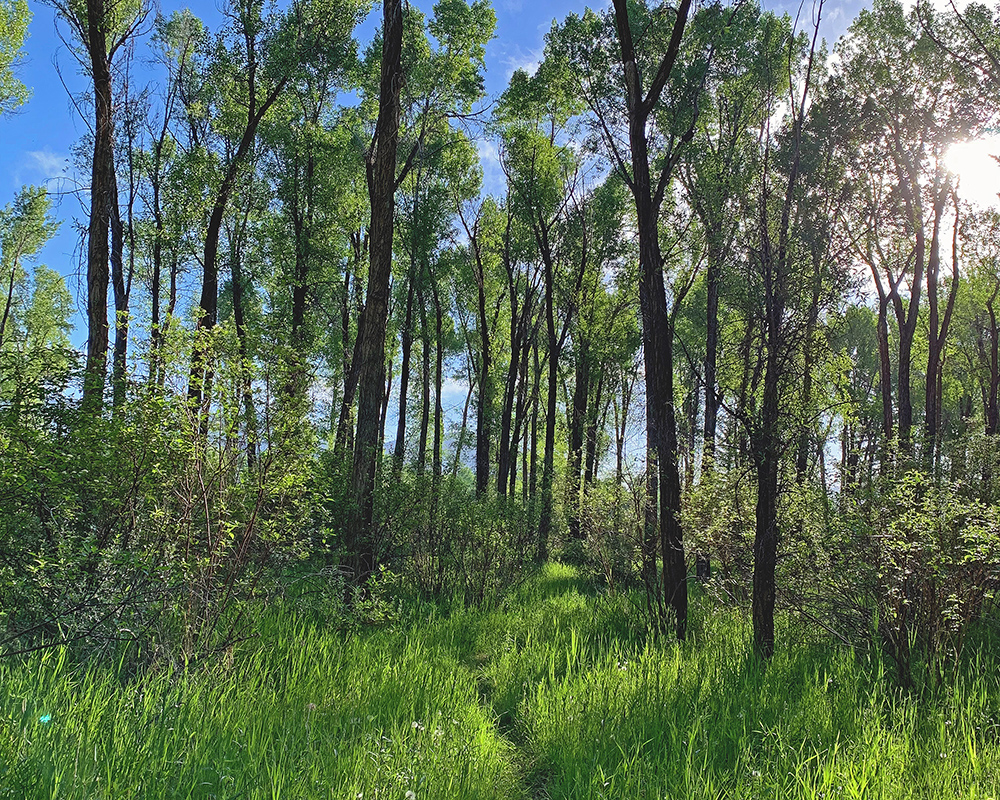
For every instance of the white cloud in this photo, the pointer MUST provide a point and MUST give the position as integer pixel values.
(51, 165)
(521, 59)
(42, 166)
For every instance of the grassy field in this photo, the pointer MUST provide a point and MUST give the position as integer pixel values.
(552, 694)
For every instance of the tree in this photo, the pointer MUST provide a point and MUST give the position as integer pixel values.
(25, 226)
(168, 167)
(910, 103)
(542, 171)
(782, 268)
(644, 127)
(720, 167)
(255, 59)
(461, 31)
(102, 28)
(14, 19)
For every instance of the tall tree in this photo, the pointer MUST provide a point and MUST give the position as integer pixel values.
(25, 226)
(641, 77)
(255, 58)
(14, 19)
(910, 101)
(103, 28)
(461, 31)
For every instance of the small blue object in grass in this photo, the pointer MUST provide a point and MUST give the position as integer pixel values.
(45, 718)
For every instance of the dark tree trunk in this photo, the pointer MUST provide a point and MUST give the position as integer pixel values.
(766, 454)
(548, 463)
(425, 384)
(517, 365)
(594, 428)
(484, 408)
(384, 413)
(120, 290)
(369, 351)
(156, 327)
(240, 287)
(990, 354)
(907, 323)
(460, 443)
(202, 369)
(344, 440)
(577, 429)
(767, 437)
(657, 333)
(529, 455)
(938, 329)
(691, 428)
(101, 200)
(10, 298)
(399, 448)
(808, 358)
(711, 360)
(519, 434)
(302, 220)
(885, 384)
(436, 455)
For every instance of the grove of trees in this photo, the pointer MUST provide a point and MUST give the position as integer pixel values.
(728, 319)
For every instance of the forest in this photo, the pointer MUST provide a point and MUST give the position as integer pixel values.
(630, 433)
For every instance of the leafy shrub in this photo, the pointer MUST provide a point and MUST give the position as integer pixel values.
(915, 566)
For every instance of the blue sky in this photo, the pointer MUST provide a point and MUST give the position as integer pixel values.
(37, 142)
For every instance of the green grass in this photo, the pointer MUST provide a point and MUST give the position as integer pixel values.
(554, 693)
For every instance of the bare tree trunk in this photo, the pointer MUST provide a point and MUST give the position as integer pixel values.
(202, 369)
(577, 428)
(344, 440)
(460, 443)
(399, 449)
(370, 347)
(436, 455)
(594, 429)
(102, 166)
(425, 384)
(548, 464)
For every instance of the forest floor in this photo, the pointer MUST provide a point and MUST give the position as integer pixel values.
(554, 692)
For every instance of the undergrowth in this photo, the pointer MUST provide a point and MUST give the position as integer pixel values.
(555, 692)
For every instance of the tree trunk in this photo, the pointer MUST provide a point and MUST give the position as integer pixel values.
(344, 440)
(809, 358)
(239, 317)
(460, 443)
(594, 428)
(711, 357)
(399, 448)
(202, 369)
(484, 407)
(548, 463)
(436, 455)
(577, 429)
(370, 347)
(657, 332)
(425, 384)
(766, 453)
(102, 166)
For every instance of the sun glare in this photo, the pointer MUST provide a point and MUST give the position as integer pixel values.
(977, 171)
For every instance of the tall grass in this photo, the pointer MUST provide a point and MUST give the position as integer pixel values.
(554, 693)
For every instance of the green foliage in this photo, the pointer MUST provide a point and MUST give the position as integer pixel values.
(611, 525)
(14, 19)
(553, 692)
(451, 544)
(918, 565)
